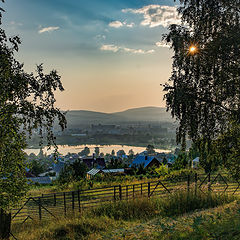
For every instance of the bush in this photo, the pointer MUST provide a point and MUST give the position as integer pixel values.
(162, 170)
(178, 175)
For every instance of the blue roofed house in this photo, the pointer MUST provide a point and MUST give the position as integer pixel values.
(58, 167)
(145, 161)
(55, 169)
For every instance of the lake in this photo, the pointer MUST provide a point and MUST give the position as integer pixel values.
(64, 149)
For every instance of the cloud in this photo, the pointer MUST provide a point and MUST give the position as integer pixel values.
(157, 15)
(118, 24)
(114, 48)
(137, 51)
(110, 47)
(162, 44)
(48, 29)
(130, 25)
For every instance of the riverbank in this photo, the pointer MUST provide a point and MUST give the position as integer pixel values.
(105, 148)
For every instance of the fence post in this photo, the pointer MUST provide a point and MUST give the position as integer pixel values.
(64, 202)
(196, 178)
(133, 191)
(79, 206)
(114, 193)
(55, 200)
(73, 201)
(5, 226)
(120, 192)
(127, 192)
(149, 189)
(39, 209)
(141, 189)
(188, 183)
(209, 182)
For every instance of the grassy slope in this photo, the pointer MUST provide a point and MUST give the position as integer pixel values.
(145, 220)
(219, 223)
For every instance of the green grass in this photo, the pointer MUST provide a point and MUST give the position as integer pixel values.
(63, 228)
(220, 223)
(127, 218)
(176, 203)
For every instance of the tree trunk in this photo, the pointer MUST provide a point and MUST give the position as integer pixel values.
(5, 224)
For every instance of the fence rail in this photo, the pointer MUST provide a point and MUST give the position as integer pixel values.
(64, 203)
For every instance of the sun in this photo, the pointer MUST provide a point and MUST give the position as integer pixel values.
(193, 49)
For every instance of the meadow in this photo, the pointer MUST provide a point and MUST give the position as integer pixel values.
(180, 215)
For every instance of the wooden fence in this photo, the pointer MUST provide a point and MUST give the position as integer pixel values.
(65, 203)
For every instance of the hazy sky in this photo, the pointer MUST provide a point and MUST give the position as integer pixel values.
(108, 52)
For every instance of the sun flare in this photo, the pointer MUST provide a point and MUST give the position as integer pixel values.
(193, 49)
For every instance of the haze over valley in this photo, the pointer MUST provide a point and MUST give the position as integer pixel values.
(135, 127)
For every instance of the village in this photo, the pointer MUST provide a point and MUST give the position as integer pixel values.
(44, 169)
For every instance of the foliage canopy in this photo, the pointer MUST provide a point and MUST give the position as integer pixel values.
(203, 90)
(27, 102)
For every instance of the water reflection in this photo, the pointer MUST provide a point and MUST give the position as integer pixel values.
(64, 149)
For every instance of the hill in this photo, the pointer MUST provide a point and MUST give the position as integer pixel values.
(144, 114)
(155, 114)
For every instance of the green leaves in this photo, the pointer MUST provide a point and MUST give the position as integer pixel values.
(27, 102)
(203, 90)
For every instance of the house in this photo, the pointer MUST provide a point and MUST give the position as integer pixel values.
(41, 180)
(91, 162)
(144, 153)
(145, 161)
(58, 167)
(166, 158)
(93, 172)
(49, 173)
(195, 162)
(118, 171)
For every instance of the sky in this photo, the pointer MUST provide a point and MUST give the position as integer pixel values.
(109, 54)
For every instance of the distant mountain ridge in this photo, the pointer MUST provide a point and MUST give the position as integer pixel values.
(143, 114)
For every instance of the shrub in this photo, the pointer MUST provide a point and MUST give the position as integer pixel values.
(177, 175)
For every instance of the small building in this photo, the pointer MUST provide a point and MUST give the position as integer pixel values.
(145, 161)
(93, 172)
(195, 162)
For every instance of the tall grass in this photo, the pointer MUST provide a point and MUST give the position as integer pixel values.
(179, 202)
(107, 217)
(186, 201)
(64, 228)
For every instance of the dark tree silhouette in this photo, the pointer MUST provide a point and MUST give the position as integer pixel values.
(27, 102)
(203, 91)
